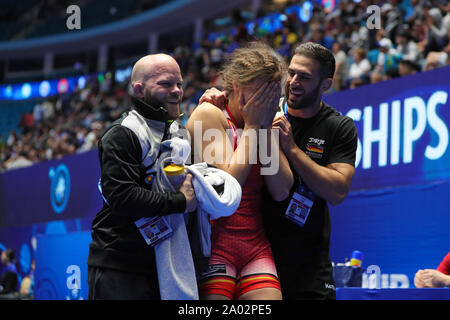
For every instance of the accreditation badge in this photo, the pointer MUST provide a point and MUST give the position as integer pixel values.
(154, 229)
(300, 205)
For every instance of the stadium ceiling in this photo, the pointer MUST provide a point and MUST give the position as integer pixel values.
(171, 16)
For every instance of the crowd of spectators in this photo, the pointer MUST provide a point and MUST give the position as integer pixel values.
(413, 37)
(64, 125)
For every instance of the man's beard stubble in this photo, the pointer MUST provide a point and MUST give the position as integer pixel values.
(156, 103)
(153, 101)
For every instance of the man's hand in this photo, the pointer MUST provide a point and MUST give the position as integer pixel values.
(188, 191)
(287, 141)
(418, 280)
(271, 105)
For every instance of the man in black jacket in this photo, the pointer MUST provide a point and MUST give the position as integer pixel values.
(121, 265)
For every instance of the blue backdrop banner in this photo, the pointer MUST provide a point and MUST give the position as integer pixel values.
(61, 270)
(400, 229)
(396, 212)
(51, 190)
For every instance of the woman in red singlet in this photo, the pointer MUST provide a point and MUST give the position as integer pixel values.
(241, 264)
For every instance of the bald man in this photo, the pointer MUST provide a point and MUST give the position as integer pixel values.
(121, 265)
(157, 80)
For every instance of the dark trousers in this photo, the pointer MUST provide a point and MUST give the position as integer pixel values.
(109, 284)
(307, 282)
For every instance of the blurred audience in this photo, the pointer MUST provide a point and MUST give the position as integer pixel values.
(406, 47)
(27, 285)
(407, 67)
(360, 66)
(63, 130)
(341, 66)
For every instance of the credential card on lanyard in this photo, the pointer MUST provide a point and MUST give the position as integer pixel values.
(300, 206)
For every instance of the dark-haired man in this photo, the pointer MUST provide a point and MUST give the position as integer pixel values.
(320, 145)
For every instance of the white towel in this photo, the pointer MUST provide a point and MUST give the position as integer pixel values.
(211, 205)
(205, 178)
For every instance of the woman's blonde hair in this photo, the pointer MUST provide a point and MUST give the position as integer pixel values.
(256, 61)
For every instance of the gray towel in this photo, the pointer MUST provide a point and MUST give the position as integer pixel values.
(174, 256)
(176, 272)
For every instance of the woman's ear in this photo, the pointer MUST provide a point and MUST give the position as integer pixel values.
(238, 94)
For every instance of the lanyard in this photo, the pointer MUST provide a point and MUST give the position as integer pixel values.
(286, 114)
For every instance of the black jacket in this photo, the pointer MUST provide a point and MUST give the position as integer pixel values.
(127, 152)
